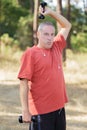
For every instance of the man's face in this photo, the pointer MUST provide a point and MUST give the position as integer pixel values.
(46, 37)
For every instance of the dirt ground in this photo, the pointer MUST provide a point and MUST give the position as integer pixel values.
(10, 109)
(76, 109)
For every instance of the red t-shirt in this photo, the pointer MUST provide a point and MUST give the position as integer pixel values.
(43, 68)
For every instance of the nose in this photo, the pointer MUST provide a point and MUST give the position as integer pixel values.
(50, 37)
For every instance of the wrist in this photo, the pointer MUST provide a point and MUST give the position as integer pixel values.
(25, 112)
(25, 109)
(53, 13)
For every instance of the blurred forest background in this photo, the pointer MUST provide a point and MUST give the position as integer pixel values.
(17, 29)
(18, 26)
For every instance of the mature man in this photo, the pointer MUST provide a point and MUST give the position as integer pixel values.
(42, 87)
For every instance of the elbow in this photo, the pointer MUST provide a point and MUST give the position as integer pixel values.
(70, 26)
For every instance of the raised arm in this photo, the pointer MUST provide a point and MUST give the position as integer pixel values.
(24, 100)
(62, 21)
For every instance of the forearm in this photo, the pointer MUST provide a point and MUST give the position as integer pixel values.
(24, 94)
(62, 21)
(24, 100)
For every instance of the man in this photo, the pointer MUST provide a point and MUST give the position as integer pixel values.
(42, 87)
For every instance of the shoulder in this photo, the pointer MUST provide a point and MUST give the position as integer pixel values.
(59, 42)
(59, 37)
(29, 51)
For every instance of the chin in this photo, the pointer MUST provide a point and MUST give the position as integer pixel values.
(48, 47)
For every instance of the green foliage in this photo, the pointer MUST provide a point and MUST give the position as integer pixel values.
(24, 3)
(10, 14)
(79, 42)
(24, 31)
(77, 18)
(16, 22)
(13, 2)
(8, 43)
(6, 39)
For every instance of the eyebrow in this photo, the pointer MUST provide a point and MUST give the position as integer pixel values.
(48, 33)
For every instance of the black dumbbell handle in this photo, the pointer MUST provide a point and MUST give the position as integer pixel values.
(20, 120)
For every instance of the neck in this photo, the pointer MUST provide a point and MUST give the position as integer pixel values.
(39, 46)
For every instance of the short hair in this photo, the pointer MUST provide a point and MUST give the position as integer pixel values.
(41, 25)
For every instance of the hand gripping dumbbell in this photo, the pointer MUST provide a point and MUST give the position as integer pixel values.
(34, 119)
(20, 120)
(43, 4)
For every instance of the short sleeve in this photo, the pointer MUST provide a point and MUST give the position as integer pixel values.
(60, 42)
(27, 66)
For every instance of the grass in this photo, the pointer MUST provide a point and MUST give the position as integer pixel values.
(75, 70)
(10, 61)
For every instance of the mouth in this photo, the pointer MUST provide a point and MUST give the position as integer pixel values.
(49, 43)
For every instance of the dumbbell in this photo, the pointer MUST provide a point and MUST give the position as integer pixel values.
(20, 120)
(43, 4)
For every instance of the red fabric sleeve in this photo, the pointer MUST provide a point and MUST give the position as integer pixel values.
(60, 42)
(27, 66)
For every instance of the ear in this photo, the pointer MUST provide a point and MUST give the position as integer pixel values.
(37, 34)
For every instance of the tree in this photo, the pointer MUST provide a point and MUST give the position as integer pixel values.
(68, 7)
(35, 21)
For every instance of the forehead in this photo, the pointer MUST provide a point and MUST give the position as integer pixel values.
(48, 28)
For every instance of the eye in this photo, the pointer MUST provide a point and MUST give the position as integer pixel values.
(52, 34)
(46, 34)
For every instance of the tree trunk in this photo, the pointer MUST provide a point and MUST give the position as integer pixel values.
(35, 21)
(68, 17)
